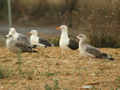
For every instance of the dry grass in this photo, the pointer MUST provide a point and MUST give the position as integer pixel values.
(46, 66)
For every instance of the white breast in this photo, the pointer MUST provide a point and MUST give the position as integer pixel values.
(64, 40)
(83, 52)
(34, 40)
(82, 48)
(9, 42)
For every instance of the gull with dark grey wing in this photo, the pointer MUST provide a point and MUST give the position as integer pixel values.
(35, 40)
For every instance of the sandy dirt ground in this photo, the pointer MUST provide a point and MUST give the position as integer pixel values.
(47, 68)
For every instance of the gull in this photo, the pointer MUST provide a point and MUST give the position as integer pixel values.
(17, 42)
(88, 50)
(35, 40)
(65, 42)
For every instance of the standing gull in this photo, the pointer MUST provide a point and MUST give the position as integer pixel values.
(65, 42)
(17, 42)
(88, 50)
(35, 40)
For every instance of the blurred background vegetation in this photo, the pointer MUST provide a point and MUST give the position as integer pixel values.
(99, 19)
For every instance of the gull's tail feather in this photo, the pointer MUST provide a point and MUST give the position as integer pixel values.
(32, 51)
(106, 56)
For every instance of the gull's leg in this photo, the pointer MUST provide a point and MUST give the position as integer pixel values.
(62, 52)
(89, 58)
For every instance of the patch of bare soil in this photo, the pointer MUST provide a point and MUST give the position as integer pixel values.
(48, 69)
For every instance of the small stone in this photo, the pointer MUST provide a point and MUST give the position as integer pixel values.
(87, 86)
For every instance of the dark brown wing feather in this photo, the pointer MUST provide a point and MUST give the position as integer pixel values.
(73, 44)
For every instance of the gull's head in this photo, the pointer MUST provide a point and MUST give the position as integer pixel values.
(33, 32)
(62, 28)
(82, 37)
(12, 31)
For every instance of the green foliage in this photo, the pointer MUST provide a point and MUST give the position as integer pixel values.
(3, 9)
(29, 88)
(1, 74)
(19, 62)
(5, 73)
(55, 41)
(102, 39)
(94, 88)
(3, 5)
(117, 80)
(50, 74)
(47, 87)
(55, 87)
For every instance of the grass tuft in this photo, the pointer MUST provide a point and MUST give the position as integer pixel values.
(55, 87)
(5, 73)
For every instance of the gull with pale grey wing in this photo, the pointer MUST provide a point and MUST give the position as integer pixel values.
(88, 50)
(18, 42)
